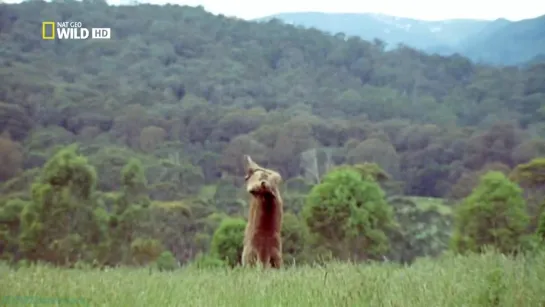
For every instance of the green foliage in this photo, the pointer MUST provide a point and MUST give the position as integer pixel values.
(14, 120)
(68, 169)
(531, 178)
(349, 214)
(226, 198)
(425, 227)
(11, 157)
(206, 261)
(132, 177)
(184, 177)
(10, 211)
(10, 226)
(21, 183)
(368, 170)
(531, 173)
(130, 208)
(109, 161)
(167, 120)
(349, 90)
(541, 227)
(60, 224)
(295, 238)
(227, 242)
(145, 250)
(493, 288)
(297, 185)
(166, 262)
(494, 215)
(469, 180)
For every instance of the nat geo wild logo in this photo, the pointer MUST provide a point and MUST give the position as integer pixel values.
(52, 30)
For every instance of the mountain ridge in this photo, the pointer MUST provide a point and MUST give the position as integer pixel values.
(470, 37)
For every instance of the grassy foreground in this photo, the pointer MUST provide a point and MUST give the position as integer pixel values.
(479, 280)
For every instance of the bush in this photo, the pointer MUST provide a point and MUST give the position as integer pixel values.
(145, 250)
(204, 261)
(227, 242)
(493, 214)
(166, 262)
(349, 214)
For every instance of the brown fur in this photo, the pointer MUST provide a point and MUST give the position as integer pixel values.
(262, 241)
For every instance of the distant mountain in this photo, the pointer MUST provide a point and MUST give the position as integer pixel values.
(537, 59)
(489, 28)
(507, 43)
(480, 40)
(393, 30)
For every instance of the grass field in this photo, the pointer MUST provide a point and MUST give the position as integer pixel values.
(485, 280)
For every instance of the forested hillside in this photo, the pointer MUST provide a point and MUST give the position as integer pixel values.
(187, 93)
(498, 42)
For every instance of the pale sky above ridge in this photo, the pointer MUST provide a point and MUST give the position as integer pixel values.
(417, 9)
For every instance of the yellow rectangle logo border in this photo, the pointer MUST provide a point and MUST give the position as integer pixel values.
(48, 23)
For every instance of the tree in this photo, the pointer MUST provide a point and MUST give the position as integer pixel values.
(349, 214)
(151, 137)
(301, 101)
(128, 126)
(129, 209)
(11, 157)
(531, 177)
(376, 151)
(243, 144)
(145, 251)
(226, 198)
(62, 222)
(227, 242)
(493, 214)
(425, 228)
(541, 227)
(294, 239)
(367, 170)
(294, 138)
(469, 180)
(9, 227)
(14, 120)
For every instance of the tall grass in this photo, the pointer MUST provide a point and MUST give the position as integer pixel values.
(476, 280)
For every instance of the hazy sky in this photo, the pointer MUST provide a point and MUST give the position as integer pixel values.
(419, 9)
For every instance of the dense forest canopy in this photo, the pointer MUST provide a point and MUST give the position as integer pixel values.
(188, 93)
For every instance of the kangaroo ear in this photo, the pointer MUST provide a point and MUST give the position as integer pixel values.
(249, 164)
